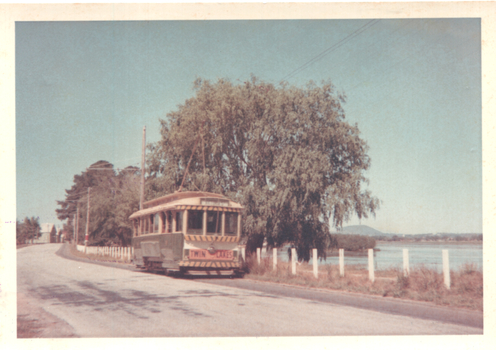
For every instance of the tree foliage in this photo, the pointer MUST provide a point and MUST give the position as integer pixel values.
(27, 230)
(114, 196)
(286, 153)
(353, 242)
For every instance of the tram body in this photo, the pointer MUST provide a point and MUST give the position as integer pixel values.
(190, 232)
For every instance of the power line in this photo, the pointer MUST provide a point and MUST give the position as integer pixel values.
(376, 45)
(332, 48)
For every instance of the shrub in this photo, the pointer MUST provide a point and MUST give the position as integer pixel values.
(352, 242)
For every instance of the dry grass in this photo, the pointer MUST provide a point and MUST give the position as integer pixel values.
(423, 284)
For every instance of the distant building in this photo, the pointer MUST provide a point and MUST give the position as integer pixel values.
(48, 234)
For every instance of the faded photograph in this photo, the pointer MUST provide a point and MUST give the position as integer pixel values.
(248, 178)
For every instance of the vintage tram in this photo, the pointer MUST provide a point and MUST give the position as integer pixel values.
(188, 232)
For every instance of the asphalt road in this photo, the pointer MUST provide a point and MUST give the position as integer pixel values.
(104, 301)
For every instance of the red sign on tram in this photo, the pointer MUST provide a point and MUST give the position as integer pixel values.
(203, 254)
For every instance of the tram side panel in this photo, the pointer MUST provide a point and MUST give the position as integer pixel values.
(160, 251)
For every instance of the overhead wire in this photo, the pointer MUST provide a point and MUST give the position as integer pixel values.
(388, 42)
(331, 49)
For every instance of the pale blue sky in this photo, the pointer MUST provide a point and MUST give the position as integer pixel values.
(84, 90)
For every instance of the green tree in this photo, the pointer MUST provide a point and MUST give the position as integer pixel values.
(285, 153)
(27, 230)
(114, 197)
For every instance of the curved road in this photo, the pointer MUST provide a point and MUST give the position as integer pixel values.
(104, 301)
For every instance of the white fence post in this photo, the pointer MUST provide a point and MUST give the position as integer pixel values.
(341, 262)
(371, 265)
(293, 261)
(406, 263)
(274, 259)
(129, 254)
(446, 269)
(258, 255)
(315, 264)
(243, 253)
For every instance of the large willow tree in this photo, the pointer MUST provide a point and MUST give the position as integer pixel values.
(285, 153)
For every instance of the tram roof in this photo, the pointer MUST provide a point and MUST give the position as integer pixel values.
(183, 200)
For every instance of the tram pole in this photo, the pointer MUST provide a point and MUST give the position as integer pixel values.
(87, 221)
(142, 187)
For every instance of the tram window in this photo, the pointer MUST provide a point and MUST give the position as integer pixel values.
(179, 221)
(169, 222)
(162, 215)
(213, 221)
(155, 222)
(195, 221)
(231, 224)
(136, 227)
(146, 219)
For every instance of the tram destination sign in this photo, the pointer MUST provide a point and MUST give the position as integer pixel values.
(203, 254)
(215, 202)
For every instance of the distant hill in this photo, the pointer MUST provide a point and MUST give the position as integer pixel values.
(363, 230)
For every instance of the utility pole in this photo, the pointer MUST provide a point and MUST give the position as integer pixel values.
(73, 228)
(87, 220)
(142, 189)
(77, 223)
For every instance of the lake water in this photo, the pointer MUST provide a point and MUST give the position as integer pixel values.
(427, 253)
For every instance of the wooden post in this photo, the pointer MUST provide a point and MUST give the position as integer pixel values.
(315, 264)
(371, 265)
(142, 182)
(274, 259)
(87, 221)
(243, 253)
(293, 261)
(446, 269)
(258, 256)
(341, 262)
(77, 222)
(406, 263)
(74, 229)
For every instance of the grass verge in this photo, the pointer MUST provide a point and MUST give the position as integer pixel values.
(423, 284)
